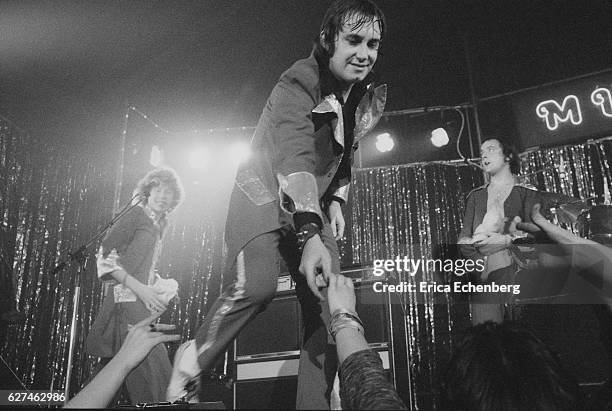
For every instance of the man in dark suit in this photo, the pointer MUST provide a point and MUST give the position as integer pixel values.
(286, 203)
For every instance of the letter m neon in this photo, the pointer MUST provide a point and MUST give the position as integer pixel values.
(554, 114)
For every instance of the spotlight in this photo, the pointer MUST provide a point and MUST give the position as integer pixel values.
(384, 142)
(198, 158)
(157, 156)
(240, 151)
(439, 137)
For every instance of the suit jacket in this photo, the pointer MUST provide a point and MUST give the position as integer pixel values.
(296, 154)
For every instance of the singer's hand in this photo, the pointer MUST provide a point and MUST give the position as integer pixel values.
(315, 256)
(336, 220)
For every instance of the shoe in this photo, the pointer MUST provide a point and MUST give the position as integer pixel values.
(184, 382)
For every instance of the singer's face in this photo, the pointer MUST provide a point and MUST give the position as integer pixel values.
(161, 198)
(356, 51)
(492, 157)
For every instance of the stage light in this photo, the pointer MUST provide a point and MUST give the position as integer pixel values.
(240, 152)
(439, 137)
(157, 156)
(384, 142)
(198, 158)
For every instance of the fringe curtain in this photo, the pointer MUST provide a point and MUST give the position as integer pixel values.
(52, 202)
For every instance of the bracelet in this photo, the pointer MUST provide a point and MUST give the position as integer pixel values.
(342, 319)
(341, 323)
(347, 315)
(307, 231)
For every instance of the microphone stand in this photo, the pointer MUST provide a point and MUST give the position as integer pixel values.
(80, 256)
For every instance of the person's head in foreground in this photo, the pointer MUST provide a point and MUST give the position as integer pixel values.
(506, 367)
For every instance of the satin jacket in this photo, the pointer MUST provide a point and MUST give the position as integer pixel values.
(296, 153)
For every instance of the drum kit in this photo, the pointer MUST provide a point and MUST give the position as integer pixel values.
(593, 222)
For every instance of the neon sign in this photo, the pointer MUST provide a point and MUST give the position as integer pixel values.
(602, 98)
(554, 113)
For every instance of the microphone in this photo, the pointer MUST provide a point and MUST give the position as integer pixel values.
(146, 191)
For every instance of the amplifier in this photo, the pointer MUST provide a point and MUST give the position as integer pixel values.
(271, 383)
(276, 365)
(275, 332)
(267, 350)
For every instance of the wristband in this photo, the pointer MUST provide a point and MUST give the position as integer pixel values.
(306, 232)
(338, 199)
(301, 219)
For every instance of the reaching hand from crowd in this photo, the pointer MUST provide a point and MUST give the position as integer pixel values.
(140, 340)
(341, 293)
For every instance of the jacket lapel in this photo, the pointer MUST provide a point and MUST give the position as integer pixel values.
(330, 104)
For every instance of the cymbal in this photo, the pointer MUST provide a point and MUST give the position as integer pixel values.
(570, 212)
(555, 199)
(567, 208)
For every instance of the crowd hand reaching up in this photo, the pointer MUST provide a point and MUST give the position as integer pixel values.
(141, 339)
(315, 256)
(336, 219)
(341, 298)
(340, 293)
(538, 227)
(537, 217)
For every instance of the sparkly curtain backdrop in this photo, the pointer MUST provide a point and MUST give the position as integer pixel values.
(51, 201)
(192, 247)
(576, 170)
(414, 211)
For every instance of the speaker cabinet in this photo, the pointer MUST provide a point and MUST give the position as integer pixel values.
(266, 352)
(266, 394)
(275, 330)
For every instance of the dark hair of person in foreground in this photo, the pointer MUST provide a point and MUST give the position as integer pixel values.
(506, 367)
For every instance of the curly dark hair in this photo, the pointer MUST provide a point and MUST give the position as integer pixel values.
(162, 175)
(338, 13)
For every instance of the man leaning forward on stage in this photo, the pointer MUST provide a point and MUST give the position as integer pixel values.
(286, 202)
